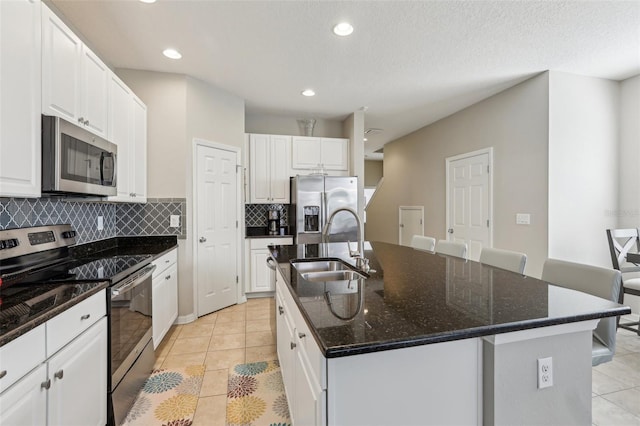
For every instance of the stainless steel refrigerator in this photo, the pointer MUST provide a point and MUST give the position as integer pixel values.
(314, 198)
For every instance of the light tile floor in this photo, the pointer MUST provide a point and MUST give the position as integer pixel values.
(246, 333)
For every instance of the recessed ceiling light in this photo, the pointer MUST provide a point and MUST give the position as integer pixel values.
(171, 53)
(148, 1)
(343, 29)
(308, 92)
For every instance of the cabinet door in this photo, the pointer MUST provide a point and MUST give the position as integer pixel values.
(138, 162)
(61, 57)
(78, 373)
(259, 169)
(284, 329)
(306, 153)
(335, 153)
(165, 303)
(94, 93)
(20, 98)
(280, 165)
(25, 403)
(120, 115)
(308, 405)
(260, 273)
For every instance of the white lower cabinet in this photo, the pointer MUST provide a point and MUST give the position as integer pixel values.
(165, 295)
(69, 387)
(25, 403)
(260, 275)
(78, 392)
(303, 378)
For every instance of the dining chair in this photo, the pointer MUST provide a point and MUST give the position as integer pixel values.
(594, 280)
(451, 248)
(621, 242)
(504, 259)
(421, 242)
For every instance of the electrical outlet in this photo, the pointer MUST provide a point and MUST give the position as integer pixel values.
(523, 219)
(100, 223)
(545, 372)
(174, 221)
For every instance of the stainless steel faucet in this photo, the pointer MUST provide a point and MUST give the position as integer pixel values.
(361, 262)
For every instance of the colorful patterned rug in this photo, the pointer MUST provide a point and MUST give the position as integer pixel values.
(168, 397)
(255, 396)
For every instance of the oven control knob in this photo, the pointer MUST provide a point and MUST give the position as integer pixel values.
(68, 234)
(10, 243)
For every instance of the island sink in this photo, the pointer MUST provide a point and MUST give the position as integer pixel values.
(320, 265)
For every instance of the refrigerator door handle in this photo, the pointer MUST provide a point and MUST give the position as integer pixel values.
(323, 210)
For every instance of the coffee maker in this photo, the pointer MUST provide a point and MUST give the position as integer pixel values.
(273, 222)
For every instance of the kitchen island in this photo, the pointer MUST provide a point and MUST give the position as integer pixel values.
(431, 339)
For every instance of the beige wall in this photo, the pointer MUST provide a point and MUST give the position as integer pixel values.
(181, 108)
(513, 122)
(583, 166)
(286, 125)
(372, 172)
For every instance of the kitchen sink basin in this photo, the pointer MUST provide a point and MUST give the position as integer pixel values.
(340, 275)
(328, 265)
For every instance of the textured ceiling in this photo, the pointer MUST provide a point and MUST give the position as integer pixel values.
(410, 62)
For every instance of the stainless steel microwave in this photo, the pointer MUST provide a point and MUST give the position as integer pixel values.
(75, 161)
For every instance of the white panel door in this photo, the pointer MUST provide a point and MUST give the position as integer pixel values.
(411, 223)
(216, 229)
(306, 152)
(469, 200)
(280, 153)
(335, 153)
(260, 189)
(94, 89)
(138, 167)
(120, 125)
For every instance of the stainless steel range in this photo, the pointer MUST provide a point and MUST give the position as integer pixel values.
(40, 256)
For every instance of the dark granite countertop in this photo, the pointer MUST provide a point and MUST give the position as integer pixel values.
(263, 232)
(36, 304)
(57, 297)
(153, 245)
(414, 298)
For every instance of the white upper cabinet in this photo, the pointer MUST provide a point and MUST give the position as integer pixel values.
(269, 169)
(74, 79)
(20, 94)
(128, 130)
(310, 153)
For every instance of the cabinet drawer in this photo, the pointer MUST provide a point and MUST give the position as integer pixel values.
(263, 243)
(21, 355)
(63, 328)
(164, 261)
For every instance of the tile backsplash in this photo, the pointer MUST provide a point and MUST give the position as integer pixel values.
(119, 219)
(256, 214)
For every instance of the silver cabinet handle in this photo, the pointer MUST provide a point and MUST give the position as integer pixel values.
(293, 346)
(81, 120)
(302, 335)
(167, 261)
(281, 310)
(86, 122)
(59, 374)
(85, 316)
(202, 239)
(168, 277)
(3, 373)
(450, 230)
(46, 384)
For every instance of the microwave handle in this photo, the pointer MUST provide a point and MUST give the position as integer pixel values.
(115, 167)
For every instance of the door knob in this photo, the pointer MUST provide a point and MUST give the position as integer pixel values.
(202, 239)
(450, 230)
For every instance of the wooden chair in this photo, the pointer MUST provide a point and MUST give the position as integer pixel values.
(621, 242)
(421, 242)
(600, 282)
(452, 248)
(504, 259)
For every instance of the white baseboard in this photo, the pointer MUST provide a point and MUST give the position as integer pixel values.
(185, 319)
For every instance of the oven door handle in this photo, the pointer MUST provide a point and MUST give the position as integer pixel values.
(128, 284)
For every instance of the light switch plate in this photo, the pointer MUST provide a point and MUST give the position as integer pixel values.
(174, 221)
(100, 223)
(523, 219)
